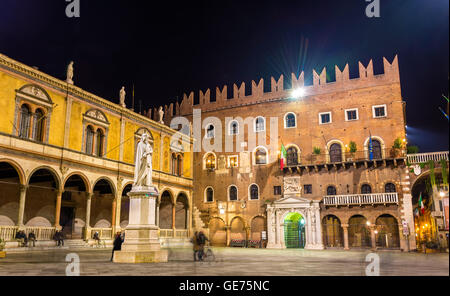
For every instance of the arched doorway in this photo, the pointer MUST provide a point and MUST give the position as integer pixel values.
(125, 207)
(72, 217)
(258, 225)
(40, 202)
(332, 231)
(217, 232)
(181, 212)
(335, 153)
(358, 232)
(9, 194)
(294, 231)
(101, 206)
(237, 227)
(165, 211)
(388, 232)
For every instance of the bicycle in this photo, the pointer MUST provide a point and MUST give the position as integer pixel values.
(208, 254)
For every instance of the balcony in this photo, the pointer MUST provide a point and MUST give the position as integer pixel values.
(361, 199)
(426, 157)
(346, 159)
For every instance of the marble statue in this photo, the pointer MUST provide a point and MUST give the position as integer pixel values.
(70, 73)
(143, 163)
(122, 96)
(161, 115)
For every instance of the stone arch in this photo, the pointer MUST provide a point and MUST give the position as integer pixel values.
(257, 224)
(205, 197)
(328, 147)
(266, 151)
(332, 231)
(295, 119)
(125, 205)
(387, 229)
(37, 92)
(238, 228)
(51, 170)
(101, 203)
(11, 182)
(110, 182)
(205, 156)
(361, 184)
(82, 176)
(181, 211)
(382, 144)
(16, 166)
(166, 205)
(217, 231)
(171, 193)
(298, 151)
(359, 232)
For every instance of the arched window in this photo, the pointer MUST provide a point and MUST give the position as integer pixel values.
(289, 120)
(39, 124)
(254, 192)
(366, 189)
(389, 187)
(100, 143)
(331, 190)
(260, 156)
(209, 194)
(25, 120)
(234, 128)
(335, 153)
(232, 193)
(210, 131)
(179, 165)
(210, 161)
(376, 148)
(89, 140)
(174, 164)
(292, 156)
(260, 124)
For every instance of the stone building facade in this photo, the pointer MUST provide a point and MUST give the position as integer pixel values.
(67, 161)
(333, 191)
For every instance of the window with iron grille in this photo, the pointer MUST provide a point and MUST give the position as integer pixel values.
(254, 192)
(209, 195)
(331, 190)
(366, 189)
(276, 190)
(307, 188)
(351, 114)
(389, 187)
(233, 193)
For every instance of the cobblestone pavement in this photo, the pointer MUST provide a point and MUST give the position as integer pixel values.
(230, 262)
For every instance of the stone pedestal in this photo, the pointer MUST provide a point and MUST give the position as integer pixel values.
(141, 243)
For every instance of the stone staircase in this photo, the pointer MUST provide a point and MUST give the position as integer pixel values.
(197, 222)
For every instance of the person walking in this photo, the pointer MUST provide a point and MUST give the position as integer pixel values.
(194, 241)
(201, 242)
(117, 244)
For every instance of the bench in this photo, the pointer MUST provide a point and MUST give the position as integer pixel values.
(238, 243)
(254, 244)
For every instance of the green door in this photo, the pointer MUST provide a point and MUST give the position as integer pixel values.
(294, 231)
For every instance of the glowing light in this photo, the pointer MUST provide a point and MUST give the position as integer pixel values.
(368, 223)
(442, 193)
(302, 221)
(298, 92)
(221, 211)
(404, 140)
(376, 231)
(426, 225)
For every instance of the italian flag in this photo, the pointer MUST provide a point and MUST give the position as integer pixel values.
(422, 207)
(283, 159)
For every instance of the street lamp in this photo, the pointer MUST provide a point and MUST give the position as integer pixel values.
(298, 93)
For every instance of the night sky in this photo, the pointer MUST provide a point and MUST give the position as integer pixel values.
(178, 47)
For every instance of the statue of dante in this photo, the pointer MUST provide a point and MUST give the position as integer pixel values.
(143, 163)
(70, 72)
(122, 96)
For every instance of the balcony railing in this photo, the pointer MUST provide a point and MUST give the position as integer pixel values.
(361, 199)
(349, 157)
(8, 233)
(425, 157)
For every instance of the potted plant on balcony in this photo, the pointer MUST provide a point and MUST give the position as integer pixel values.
(352, 149)
(396, 148)
(2, 247)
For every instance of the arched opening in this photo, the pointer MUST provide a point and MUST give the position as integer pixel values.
(260, 124)
(335, 153)
(181, 212)
(234, 128)
(179, 165)
(25, 121)
(366, 189)
(331, 190)
(217, 232)
(101, 205)
(232, 193)
(358, 232)
(209, 194)
(290, 120)
(388, 232)
(174, 164)
(376, 149)
(100, 142)
(89, 140)
(332, 231)
(210, 161)
(260, 156)
(237, 227)
(258, 225)
(294, 231)
(39, 125)
(210, 131)
(125, 207)
(9, 194)
(165, 211)
(389, 188)
(292, 156)
(254, 192)
(72, 217)
(40, 200)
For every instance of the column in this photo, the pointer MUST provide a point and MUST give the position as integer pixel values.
(228, 229)
(173, 219)
(118, 211)
(58, 209)
(87, 234)
(373, 237)
(345, 228)
(318, 228)
(158, 202)
(23, 193)
(308, 230)
(113, 217)
(67, 122)
(277, 229)
(188, 221)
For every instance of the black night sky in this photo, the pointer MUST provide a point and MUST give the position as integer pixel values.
(168, 49)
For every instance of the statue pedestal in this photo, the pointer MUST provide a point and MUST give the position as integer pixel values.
(141, 243)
